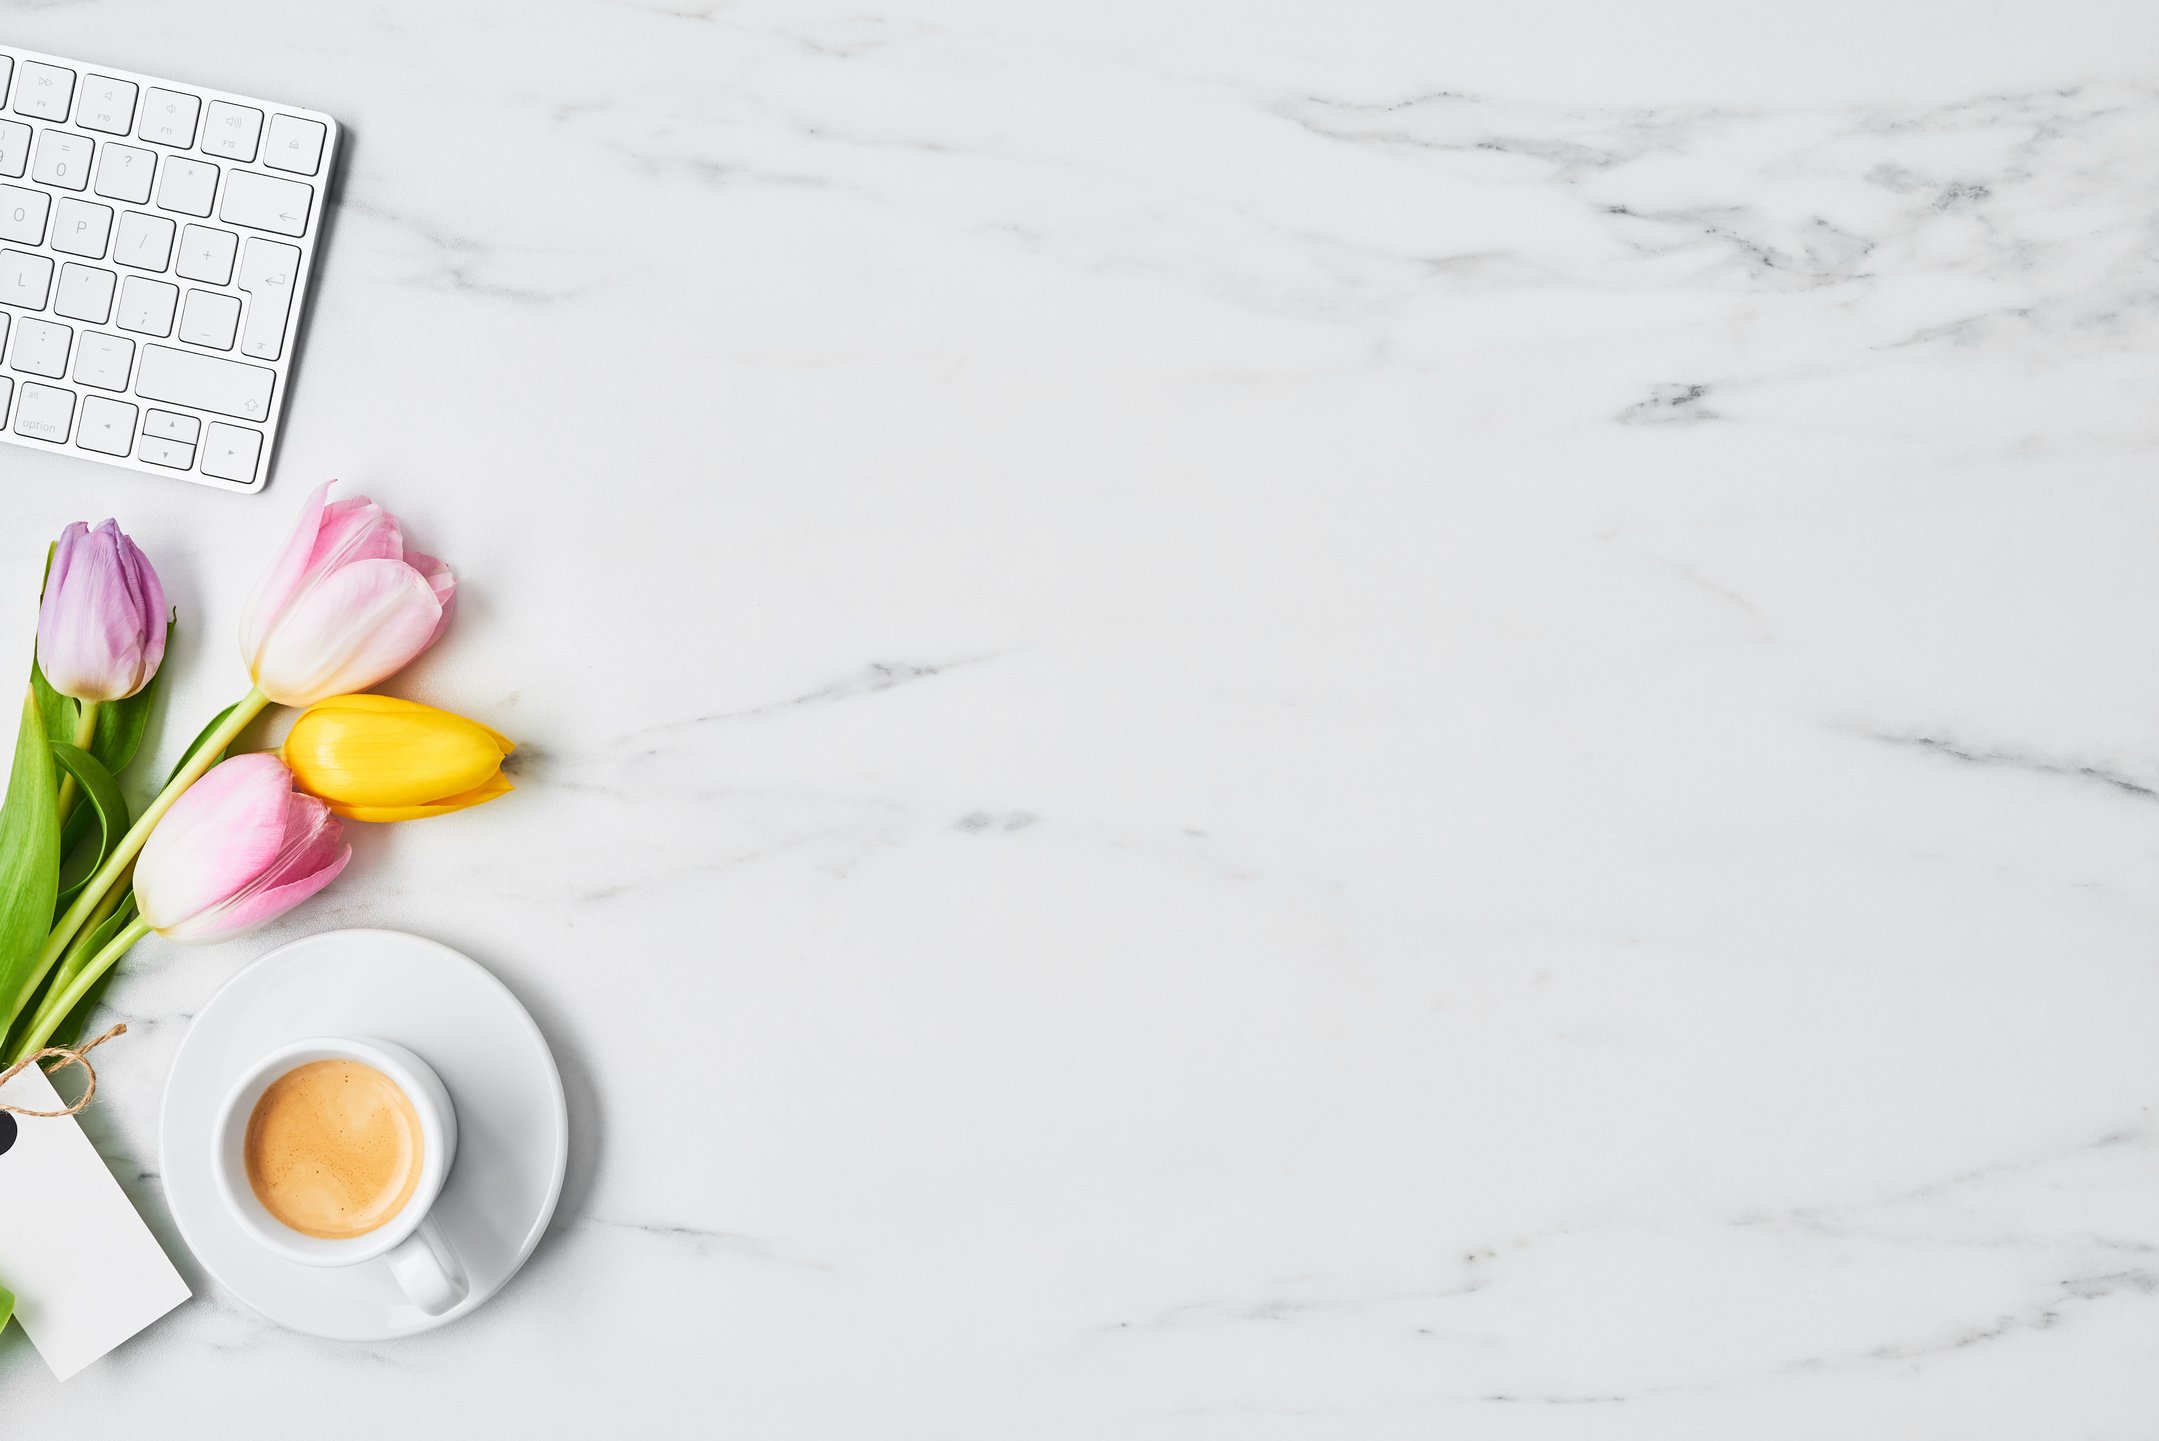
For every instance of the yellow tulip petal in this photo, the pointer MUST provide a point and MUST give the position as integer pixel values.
(380, 751)
(478, 795)
(383, 815)
(364, 704)
(495, 785)
(370, 704)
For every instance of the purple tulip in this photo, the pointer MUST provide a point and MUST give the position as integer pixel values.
(237, 850)
(101, 628)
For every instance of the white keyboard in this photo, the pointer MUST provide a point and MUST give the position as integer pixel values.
(155, 245)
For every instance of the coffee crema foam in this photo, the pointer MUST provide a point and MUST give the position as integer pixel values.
(333, 1149)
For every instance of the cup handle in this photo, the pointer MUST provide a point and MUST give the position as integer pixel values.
(428, 1270)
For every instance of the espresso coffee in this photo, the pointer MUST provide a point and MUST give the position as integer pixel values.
(333, 1149)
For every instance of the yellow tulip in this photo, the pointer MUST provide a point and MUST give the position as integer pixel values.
(377, 758)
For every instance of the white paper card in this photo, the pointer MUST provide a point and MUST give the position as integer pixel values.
(86, 1272)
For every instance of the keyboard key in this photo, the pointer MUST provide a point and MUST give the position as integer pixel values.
(24, 279)
(145, 240)
(107, 104)
(44, 90)
(123, 173)
(231, 130)
(103, 361)
(209, 318)
(22, 214)
(40, 347)
(85, 293)
(81, 227)
(295, 144)
(203, 382)
(188, 186)
(14, 148)
(62, 159)
(45, 412)
(168, 118)
(146, 306)
(206, 253)
(264, 202)
(155, 240)
(229, 451)
(267, 268)
(108, 426)
(177, 454)
(171, 425)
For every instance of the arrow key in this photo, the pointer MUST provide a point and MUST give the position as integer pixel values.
(229, 452)
(176, 453)
(107, 426)
(171, 425)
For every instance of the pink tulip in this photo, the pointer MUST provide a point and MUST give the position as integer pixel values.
(101, 627)
(237, 850)
(345, 605)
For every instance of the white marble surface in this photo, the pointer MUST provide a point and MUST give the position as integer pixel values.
(1243, 721)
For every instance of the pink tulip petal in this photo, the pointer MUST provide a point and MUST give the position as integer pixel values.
(355, 627)
(355, 529)
(312, 854)
(442, 582)
(347, 532)
(345, 604)
(222, 833)
(286, 574)
(256, 908)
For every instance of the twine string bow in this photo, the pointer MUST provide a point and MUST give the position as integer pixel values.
(61, 1056)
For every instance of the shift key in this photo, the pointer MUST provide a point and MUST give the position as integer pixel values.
(181, 377)
(267, 268)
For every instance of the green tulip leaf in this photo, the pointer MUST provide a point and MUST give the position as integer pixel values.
(29, 858)
(105, 803)
(58, 711)
(71, 1027)
(7, 1304)
(71, 830)
(201, 737)
(120, 723)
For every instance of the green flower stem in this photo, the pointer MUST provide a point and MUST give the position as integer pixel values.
(78, 949)
(85, 732)
(123, 856)
(65, 999)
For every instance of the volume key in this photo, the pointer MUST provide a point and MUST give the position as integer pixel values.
(267, 271)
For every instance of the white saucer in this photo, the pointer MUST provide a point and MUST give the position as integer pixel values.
(512, 1126)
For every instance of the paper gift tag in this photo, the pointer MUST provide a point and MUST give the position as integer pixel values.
(86, 1272)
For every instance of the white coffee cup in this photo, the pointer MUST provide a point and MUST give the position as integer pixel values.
(421, 1259)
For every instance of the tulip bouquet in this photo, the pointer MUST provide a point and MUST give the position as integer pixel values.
(227, 843)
